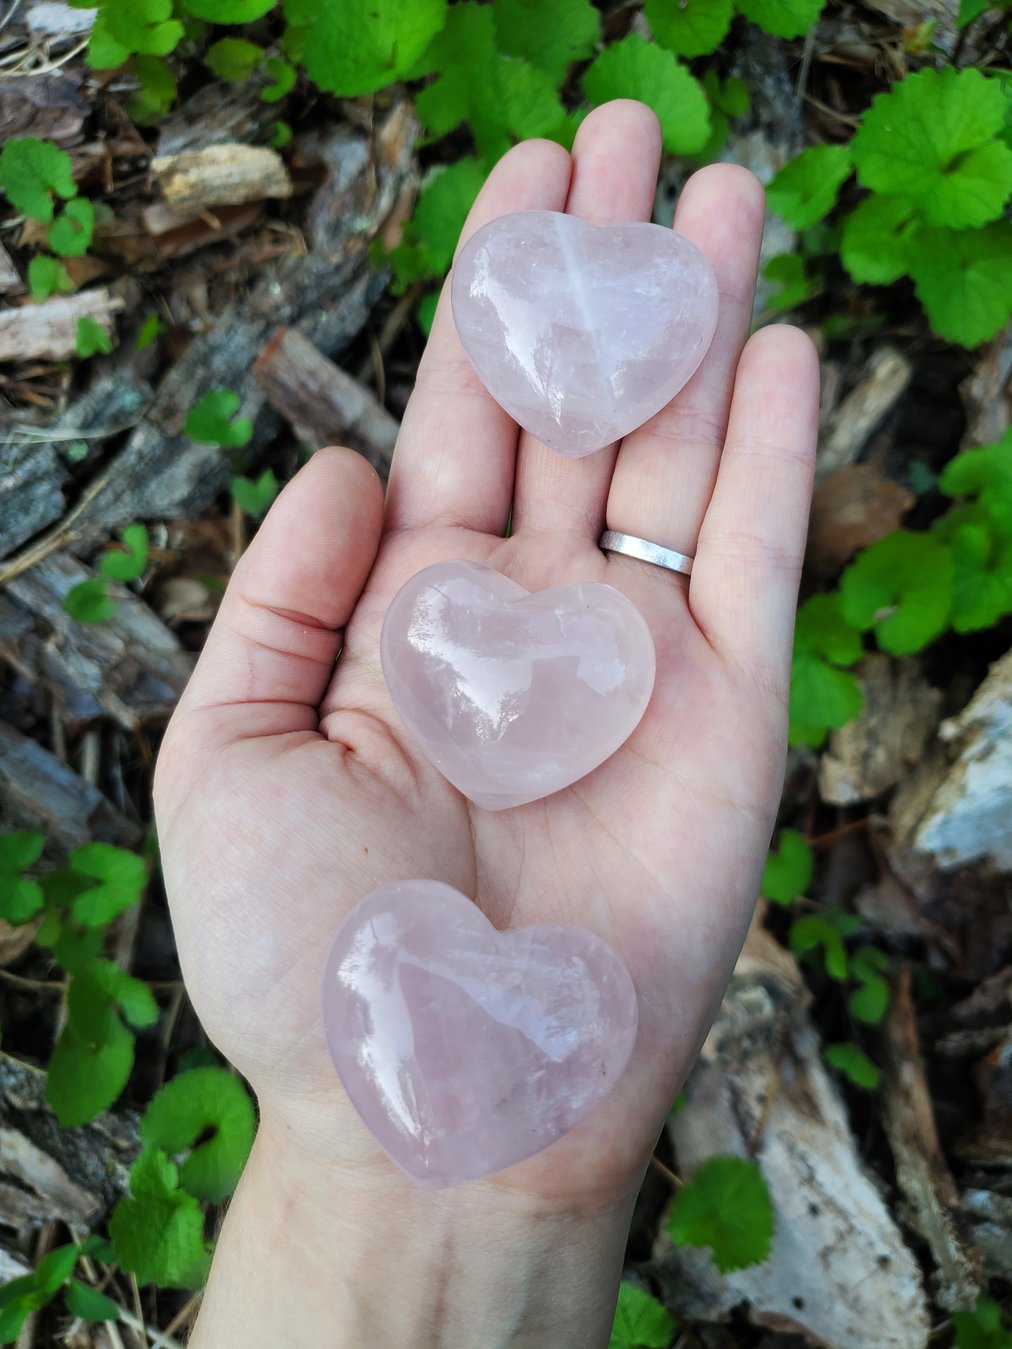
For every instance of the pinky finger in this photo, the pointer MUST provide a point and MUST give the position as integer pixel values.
(752, 543)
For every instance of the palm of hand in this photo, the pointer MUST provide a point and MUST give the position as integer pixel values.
(281, 808)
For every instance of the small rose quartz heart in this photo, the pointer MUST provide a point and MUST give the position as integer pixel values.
(582, 332)
(514, 695)
(465, 1049)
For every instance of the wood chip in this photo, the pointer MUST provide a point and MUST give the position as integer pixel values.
(50, 329)
(10, 279)
(852, 508)
(196, 180)
(921, 1169)
(42, 1191)
(839, 1272)
(881, 384)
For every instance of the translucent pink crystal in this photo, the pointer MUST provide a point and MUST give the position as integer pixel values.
(465, 1049)
(514, 695)
(582, 332)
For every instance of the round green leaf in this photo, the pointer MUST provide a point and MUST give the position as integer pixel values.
(902, 588)
(963, 278)
(782, 18)
(789, 868)
(635, 68)
(357, 46)
(83, 1081)
(185, 1109)
(806, 188)
(854, 1063)
(689, 27)
(727, 1207)
(876, 238)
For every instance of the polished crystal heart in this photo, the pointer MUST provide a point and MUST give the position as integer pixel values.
(582, 332)
(514, 695)
(465, 1049)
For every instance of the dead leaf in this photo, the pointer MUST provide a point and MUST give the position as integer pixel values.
(852, 508)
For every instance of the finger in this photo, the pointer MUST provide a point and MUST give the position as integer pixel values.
(615, 158)
(752, 542)
(666, 470)
(271, 652)
(456, 452)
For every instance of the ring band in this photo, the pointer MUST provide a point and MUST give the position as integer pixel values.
(613, 542)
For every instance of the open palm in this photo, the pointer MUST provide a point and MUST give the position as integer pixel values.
(287, 789)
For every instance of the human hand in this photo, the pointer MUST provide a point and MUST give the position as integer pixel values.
(286, 789)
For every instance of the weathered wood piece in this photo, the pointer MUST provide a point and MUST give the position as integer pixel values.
(877, 750)
(957, 808)
(50, 329)
(10, 280)
(88, 1166)
(323, 403)
(921, 1169)
(838, 1272)
(32, 480)
(881, 384)
(37, 791)
(197, 180)
(130, 668)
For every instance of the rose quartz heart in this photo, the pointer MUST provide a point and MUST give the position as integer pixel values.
(514, 696)
(465, 1049)
(582, 332)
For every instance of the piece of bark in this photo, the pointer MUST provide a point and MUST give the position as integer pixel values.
(323, 403)
(10, 279)
(326, 293)
(50, 329)
(37, 791)
(170, 234)
(881, 384)
(838, 1270)
(34, 1187)
(130, 667)
(990, 1217)
(94, 1158)
(957, 808)
(914, 15)
(32, 482)
(58, 25)
(218, 114)
(852, 508)
(220, 175)
(921, 1169)
(48, 106)
(876, 751)
(987, 392)
(15, 940)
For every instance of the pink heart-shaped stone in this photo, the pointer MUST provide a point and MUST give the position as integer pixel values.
(514, 695)
(465, 1049)
(582, 332)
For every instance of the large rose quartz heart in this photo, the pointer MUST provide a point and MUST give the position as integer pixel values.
(465, 1049)
(514, 696)
(582, 332)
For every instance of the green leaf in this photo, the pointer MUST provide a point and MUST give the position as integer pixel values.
(144, 27)
(13, 1317)
(984, 473)
(982, 571)
(502, 99)
(282, 79)
(963, 278)
(97, 987)
(213, 420)
(54, 1269)
(815, 932)
(46, 277)
(91, 337)
(789, 868)
(151, 328)
(229, 11)
(20, 848)
(254, 496)
(806, 188)
(20, 899)
(981, 1328)
(782, 18)
(641, 1322)
(104, 51)
(822, 629)
(71, 232)
(902, 588)
(121, 877)
(158, 89)
(790, 272)
(876, 239)
(89, 601)
(868, 1002)
(281, 135)
(357, 46)
(89, 1304)
(158, 1231)
(854, 1063)
(16, 1289)
(635, 68)
(431, 235)
(185, 1110)
(233, 58)
(550, 37)
(689, 27)
(823, 698)
(970, 10)
(931, 139)
(31, 171)
(726, 1206)
(85, 1080)
(129, 564)
(136, 1002)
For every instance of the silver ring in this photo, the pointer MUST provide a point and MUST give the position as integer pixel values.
(613, 542)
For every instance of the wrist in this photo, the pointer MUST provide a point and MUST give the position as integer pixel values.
(314, 1254)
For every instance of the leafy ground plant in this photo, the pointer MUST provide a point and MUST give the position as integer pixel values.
(725, 1206)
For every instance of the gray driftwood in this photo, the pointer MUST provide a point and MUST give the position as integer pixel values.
(50, 329)
(323, 403)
